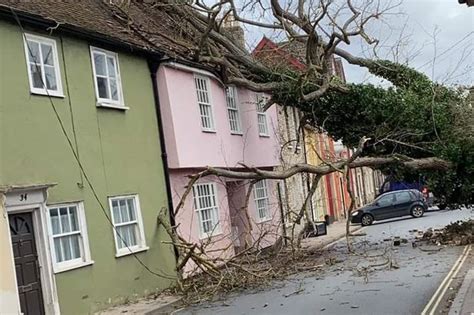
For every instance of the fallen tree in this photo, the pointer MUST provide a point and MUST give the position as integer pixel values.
(408, 126)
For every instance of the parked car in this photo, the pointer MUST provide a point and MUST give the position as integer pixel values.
(391, 205)
(391, 184)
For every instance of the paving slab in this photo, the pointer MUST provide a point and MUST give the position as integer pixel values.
(163, 304)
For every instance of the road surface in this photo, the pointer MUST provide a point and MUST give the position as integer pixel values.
(346, 288)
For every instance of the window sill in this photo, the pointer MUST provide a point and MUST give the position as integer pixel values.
(74, 266)
(132, 251)
(264, 220)
(43, 93)
(263, 136)
(208, 131)
(113, 106)
(234, 133)
(207, 236)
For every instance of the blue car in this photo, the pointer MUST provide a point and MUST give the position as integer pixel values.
(391, 205)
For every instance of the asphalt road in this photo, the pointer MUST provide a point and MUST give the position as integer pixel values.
(349, 288)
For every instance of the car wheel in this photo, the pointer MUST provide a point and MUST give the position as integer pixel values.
(417, 211)
(366, 219)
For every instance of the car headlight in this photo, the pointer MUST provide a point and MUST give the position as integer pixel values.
(355, 213)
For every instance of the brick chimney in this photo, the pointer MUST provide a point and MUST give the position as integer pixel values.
(234, 30)
(339, 69)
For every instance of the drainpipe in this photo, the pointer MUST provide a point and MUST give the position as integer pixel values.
(153, 66)
(282, 213)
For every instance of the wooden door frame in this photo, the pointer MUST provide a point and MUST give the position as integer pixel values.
(38, 210)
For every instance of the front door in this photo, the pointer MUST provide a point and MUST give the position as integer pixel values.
(26, 263)
(236, 194)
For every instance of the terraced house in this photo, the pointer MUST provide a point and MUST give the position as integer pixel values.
(102, 122)
(210, 124)
(309, 145)
(81, 173)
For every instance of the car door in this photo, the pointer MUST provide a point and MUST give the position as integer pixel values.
(403, 201)
(384, 207)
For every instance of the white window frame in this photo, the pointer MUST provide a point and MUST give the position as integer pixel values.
(85, 259)
(261, 114)
(57, 70)
(108, 102)
(231, 92)
(141, 241)
(212, 123)
(214, 211)
(268, 215)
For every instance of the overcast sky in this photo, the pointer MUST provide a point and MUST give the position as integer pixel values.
(450, 23)
(423, 23)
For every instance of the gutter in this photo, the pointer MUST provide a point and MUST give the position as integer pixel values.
(153, 66)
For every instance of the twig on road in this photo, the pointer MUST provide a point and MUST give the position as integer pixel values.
(430, 249)
(301, 289)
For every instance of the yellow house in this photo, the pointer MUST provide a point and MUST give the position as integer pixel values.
(313, 156)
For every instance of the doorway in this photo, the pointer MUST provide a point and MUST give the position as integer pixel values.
(27, 268)
(236, 194)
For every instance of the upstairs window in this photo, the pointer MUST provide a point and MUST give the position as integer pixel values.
(204, 100)
(128, 225)
(260, 193)
(262, 116)
(43, 66)
(68, 236)
(233, 110)
(205, 203)
(107, 82)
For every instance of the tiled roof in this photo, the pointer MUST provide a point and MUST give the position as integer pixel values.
(153, 30)
(297, 51)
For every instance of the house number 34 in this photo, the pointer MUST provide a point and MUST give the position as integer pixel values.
(23, 197)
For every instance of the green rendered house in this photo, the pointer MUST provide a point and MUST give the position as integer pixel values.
(77, 94)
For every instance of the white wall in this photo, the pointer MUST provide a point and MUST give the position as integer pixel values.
(8, 290)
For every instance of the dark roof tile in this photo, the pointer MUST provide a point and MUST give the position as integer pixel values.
(153, 30)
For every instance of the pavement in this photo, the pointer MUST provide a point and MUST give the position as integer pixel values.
(163, 304)
(353, 286)
(335, 232)
(463, 303)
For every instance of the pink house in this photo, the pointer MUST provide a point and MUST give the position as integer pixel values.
(208, 124)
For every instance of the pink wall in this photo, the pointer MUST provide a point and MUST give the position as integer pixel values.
(189, 147)
(222, 243)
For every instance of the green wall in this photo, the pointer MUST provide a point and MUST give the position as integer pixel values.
(119, 150)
